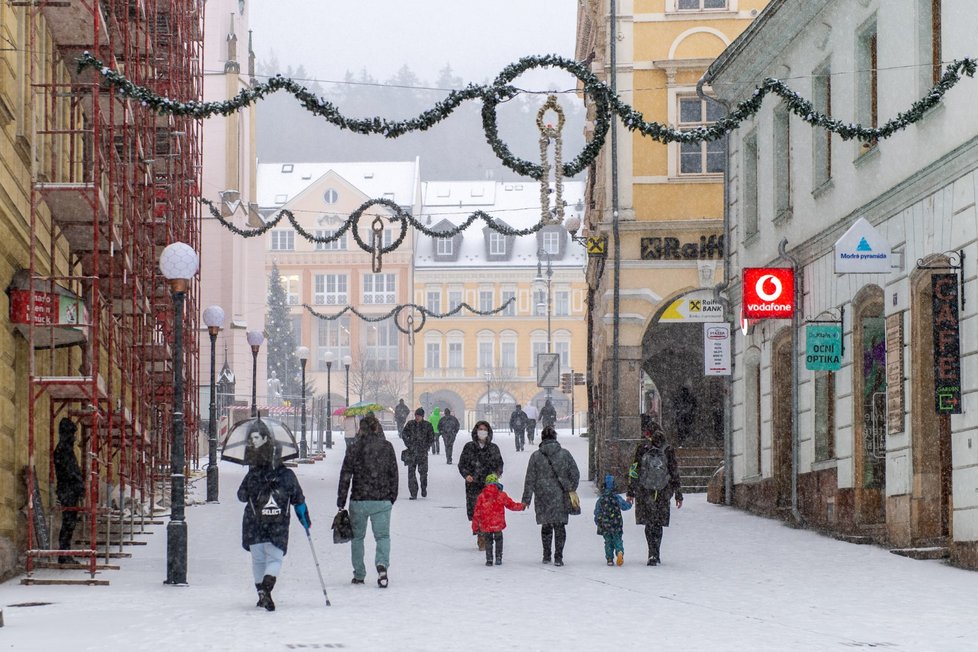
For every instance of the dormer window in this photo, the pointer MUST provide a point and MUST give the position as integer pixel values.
(497, 244)
(550, 241)
(444, 247)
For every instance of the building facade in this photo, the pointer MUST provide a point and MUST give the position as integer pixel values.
(882, 446)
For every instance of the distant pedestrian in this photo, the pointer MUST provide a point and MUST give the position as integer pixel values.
(268, 489)
(531, 421)
(653, 479)
(548, 415)
(71, 486)
(479, 458)
(550, 475)
(417, 440)
(489, 517)
(517, 424)
(448, 427)
(369, 476)
(434, 419)
(401, 414)
(607, 516)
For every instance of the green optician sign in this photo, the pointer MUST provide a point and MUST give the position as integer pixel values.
(823, 347)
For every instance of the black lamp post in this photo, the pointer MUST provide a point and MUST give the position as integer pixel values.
(255, 338)
(542, 283)
(347, 361)
(329, 356)
(214, 319)
(178, 262)
(303, 354)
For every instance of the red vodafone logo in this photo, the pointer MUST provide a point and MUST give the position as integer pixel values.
(769, 292)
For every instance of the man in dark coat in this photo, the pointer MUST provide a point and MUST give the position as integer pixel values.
(448, 427)
(550, 474)
(401, 414)
(418, 435)
(71, 486)
(517, 423)
(548, 416)
(479, 458)
(268, 489)
(370, 467)
(652, 506)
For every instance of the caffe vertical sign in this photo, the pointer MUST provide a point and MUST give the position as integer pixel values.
(947, 344)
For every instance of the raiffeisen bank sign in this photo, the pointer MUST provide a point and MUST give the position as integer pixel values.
(769, 292)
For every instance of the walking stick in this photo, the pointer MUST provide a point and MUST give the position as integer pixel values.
(318, 571)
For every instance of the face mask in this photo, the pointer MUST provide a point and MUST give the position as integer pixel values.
(482, 435)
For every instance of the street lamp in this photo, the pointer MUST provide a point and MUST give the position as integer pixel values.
(255, 338)
(542, 283)
(214, 319)
(178, 262)
(303, 354)
(329, 356)
(347, 361)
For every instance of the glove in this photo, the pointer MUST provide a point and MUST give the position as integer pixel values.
(303, 513)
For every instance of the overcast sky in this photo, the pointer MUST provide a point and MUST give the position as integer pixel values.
(478, 39)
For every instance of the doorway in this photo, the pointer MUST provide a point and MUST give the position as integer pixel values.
(782, 417)
(869, 405)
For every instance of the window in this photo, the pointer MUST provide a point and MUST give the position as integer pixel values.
(824, 415)
(297, 329)
(550, 241)
(444, 247)
(379, 288)
(485, 355)
(822, 138)
(485, 300)
(563, 348)
(454, 355)
(291, 285)
(867, 96)
(329, 290)
(382, 345)
(336, 245)
(782, 163)
(562, 303)
(433, 301)
(510, 310)
(283, 240)
(704, 157)
(497, 244)
(749, 214)
(537, 348)
(454, 299)
(752, 412)
(432, 355)
(331, 196)
(928, 43)
(700, 5)
(333, 335)
(507, 355)
(287, 168)
(539, 303)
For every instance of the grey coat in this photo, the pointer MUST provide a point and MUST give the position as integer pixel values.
(550, 474)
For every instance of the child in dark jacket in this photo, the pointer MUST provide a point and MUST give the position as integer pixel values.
(489, 516)
(607, 516)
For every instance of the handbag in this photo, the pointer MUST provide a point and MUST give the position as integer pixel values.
(406, 456)
(342, 527)
(573, 500)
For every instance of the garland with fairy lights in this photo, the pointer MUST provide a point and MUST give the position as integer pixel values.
(605, 102)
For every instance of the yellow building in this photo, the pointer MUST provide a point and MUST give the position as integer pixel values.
(669, 205)
(482, 365)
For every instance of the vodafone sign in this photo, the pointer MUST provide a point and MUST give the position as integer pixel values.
(769, 292)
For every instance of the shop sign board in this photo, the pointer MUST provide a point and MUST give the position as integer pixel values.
(862, 250)
(716, 349)
(823, 347)
(947, 343)
(769, 292)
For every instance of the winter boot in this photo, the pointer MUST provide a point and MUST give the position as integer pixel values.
(261, 595)
(621, 558)
(610, 561)
(480, 541)
(267, 584)
(381, 576)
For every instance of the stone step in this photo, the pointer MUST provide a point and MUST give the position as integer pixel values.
(930, 552)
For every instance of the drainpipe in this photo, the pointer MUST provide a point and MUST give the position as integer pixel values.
(783, 252)
(615, 234)
(719, 292)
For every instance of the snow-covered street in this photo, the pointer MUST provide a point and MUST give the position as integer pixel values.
(729, 581)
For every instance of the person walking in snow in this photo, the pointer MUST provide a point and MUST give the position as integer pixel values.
(448, 428)
(369, 476)
(434, 420)
(548, 416)
(268, 489)
(401, 414)
(607, 516)
(550, 474)
(417, 438)
(531, 421)
(479, 458)
(489, 517)
(653, 479)
(71, 486)
(517, 423)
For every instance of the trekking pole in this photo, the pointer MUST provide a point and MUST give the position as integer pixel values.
(318, 571)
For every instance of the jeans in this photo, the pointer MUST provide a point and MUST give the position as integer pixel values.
(557, 533)
(266, 559)
(435, 448)
(531, 428)
(419, 468)
(520, 439)
(379, 513)
(449, 444)
(613, 544)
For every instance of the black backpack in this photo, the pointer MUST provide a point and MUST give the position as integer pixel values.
(654, 472)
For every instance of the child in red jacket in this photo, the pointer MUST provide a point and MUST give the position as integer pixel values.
(489, 516)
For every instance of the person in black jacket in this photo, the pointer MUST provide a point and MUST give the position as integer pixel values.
(71, 486)
(418, 435)
(550, 474)
(479, 458)
(268, 489)
(401, 413)
(517, 423)
(548, 415)
(652, 506)
(448, 427)
(370, 466)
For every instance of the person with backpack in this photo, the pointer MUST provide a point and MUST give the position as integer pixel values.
(517, 423)
(448, 428)
(267, 491)
(550, 475)
(653, 479)
(607, 516)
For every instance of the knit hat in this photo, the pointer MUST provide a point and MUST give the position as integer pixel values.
(609, 482)
(419, 412)
(492, 478)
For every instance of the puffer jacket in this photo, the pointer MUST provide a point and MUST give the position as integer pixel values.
(550, 474)
(490, 509)
(261, 483)
(479, 461)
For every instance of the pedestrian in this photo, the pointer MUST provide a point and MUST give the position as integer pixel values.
(548, 416)
(417, 439)
(401, 414)
(607, 516)
(268, 489)
(653, 479)
(448, 427)
(489, 517)
(434, 420)
(531, 421)
(479, 458)
(517, 424)
(550, 475)
(369, 476)
(71, 486)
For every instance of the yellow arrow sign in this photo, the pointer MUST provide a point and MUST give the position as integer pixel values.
(597, 245)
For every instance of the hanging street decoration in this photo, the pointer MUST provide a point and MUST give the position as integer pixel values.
(550, 133)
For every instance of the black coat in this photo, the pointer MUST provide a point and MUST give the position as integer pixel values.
(258, 484)
(479, 462)
(517, 421)
(71, 482)
(548, 416)
(550, 474)
(448, 427)
(401, 412)
(418, 436)
(652, 508)
(370, 465)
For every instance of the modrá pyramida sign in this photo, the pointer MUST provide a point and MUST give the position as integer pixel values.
(862, 250)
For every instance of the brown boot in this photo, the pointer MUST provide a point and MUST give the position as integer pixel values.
(481, 542)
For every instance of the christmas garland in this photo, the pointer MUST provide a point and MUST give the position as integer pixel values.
(395, 312)
(500, 90)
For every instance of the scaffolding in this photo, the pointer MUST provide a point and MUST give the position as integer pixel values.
(111, 185)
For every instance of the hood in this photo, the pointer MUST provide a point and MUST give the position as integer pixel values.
(549, 447)
(476, 428)
(66, 432)
(609, 482)
(493, 489)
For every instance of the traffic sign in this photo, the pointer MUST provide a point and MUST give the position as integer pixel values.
(548, 370)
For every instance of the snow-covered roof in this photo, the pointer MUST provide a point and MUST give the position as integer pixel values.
(279, 183)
